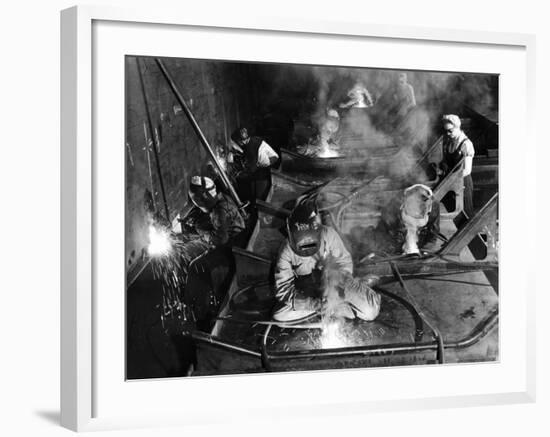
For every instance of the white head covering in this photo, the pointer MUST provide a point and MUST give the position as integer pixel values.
(453, 119)
(414, 205)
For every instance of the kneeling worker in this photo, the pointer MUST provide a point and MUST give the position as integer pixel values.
(412, 222)
(310, 253)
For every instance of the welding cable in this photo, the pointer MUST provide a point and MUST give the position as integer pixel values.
(265, 357)
(418, 321)
(438, 337)
(454, 281)
(284, 325)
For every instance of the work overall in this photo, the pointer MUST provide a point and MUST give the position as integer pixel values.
(450, 159)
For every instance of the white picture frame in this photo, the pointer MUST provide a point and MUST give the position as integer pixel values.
(81, 311)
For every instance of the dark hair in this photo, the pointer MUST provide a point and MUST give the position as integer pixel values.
(239, 134)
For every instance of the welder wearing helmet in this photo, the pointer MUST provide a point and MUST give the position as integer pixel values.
(411, 221)
(258, 157)
(219, 224)
(221, 220)
(309, 249)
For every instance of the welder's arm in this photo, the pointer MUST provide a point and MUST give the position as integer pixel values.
(348, 103)
(468, 152)
(434, 218)
(266, 155)
(338, 251)
(412, 98)
(285, 288)
(223, 226)
(196, 223)
(368, 98)
(468, 160)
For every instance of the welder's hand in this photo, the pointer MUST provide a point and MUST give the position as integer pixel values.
(370, 280)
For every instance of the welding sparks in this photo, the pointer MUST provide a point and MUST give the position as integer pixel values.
(160, 243)
(325, 151)
(332, 337)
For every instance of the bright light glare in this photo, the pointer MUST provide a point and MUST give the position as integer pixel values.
(326, 151)
(159, 242)
(331, 337)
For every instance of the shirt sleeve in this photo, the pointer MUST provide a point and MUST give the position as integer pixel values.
(468, 148)
(284, 275)
(337, 250)
(265, 152)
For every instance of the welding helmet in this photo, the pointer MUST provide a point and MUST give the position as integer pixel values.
(304, 229)
(333, 113)
(417, 201)
(202, 192)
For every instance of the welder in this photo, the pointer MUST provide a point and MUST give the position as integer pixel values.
(358, 97)
(311, 259)
(254, 178)
(220, 221)
(457, 146)
(408, 223)
(218, 224)
(402, 96)
(325, 144)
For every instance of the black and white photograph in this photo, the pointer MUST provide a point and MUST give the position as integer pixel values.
(292, 217)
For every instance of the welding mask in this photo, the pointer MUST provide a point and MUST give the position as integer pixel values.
(417, 201)
(202, 193)
(304, 229)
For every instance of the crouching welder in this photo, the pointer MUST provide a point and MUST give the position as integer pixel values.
(218, 223)
(221, 220)
(311, 260)
(410, 222)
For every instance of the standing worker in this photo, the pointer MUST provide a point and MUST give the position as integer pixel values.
(258, 157)
(456, 146)
(403, 96)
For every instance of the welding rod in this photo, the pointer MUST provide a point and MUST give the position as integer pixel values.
(225, 180)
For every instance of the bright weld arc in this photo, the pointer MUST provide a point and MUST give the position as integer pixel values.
(160, 243)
